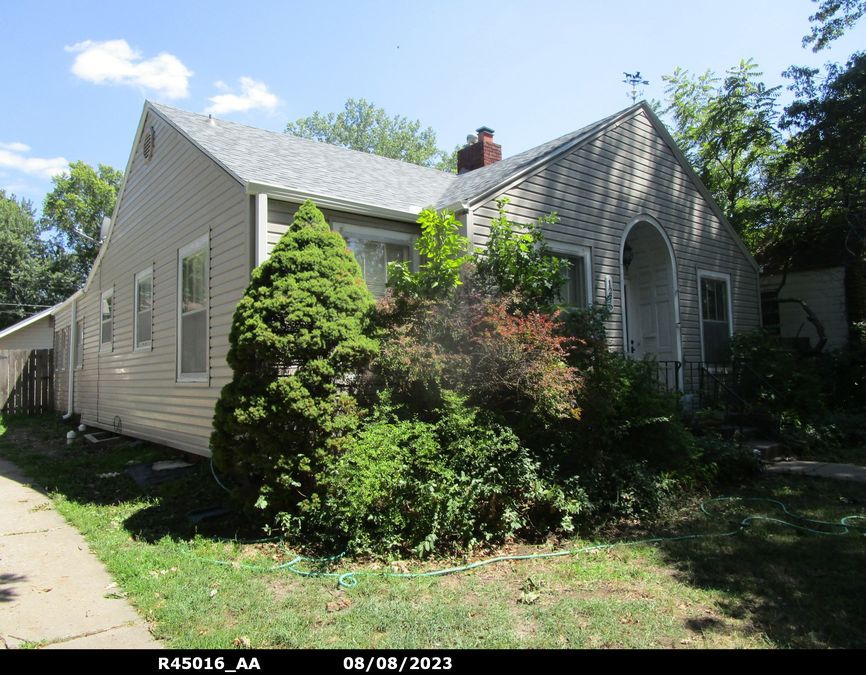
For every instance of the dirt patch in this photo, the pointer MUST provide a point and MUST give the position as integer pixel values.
(33, 444)
(283, 590)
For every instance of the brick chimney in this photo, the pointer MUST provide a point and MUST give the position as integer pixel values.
(482, 152)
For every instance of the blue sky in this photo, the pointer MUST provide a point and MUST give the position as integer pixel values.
(76, 74)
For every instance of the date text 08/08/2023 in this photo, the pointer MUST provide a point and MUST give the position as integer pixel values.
(358, 663)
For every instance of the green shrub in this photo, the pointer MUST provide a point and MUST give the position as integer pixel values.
(409, 486)
(298, 333)
(517, 263)
(726, 460)
(443, 253)
(513, 363)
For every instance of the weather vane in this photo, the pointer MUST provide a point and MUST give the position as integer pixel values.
(634, 81)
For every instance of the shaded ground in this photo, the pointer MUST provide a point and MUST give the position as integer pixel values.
(770, 586)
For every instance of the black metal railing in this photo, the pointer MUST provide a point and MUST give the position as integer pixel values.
(735, 387)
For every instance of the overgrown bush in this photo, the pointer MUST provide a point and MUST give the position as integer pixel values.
(406, 486)
(510, 362)
(821, 398)
(299, 332)
(517, 263)
(486, 414)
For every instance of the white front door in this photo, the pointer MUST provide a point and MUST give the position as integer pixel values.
(654, 334)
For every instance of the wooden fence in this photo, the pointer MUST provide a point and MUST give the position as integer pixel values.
(26, 381)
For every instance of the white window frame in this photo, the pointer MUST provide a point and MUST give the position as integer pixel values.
(714, 276)
(61, 349)
(106, 295)
(566, 251)
(202, 243)
(79, 344)
(383, 236)
(144, 345)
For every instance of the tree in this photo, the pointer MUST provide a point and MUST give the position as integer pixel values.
(443, 251)
(825, 179)
(727, 132)
(517, 262)
(24, 259)
(833, 17)
(364, 127)
(74, 210)
(297, 336)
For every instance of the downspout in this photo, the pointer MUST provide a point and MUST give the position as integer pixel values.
(261, 240)
(73, 340)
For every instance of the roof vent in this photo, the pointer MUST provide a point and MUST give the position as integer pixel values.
(210, 120)
(148, 143)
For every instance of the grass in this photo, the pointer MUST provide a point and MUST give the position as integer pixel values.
(768, 587)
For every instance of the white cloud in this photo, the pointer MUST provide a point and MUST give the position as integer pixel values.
(15, 147)
(32, 165)
(115, 62)
(16, 189)
(255, 95)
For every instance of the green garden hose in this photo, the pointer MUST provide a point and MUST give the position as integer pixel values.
(349, 579)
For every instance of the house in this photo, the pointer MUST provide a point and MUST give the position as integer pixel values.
(824, 268)
(203, 202)
(35, 332)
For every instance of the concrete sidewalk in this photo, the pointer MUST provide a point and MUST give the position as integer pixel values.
(823, 469)
(52, 588)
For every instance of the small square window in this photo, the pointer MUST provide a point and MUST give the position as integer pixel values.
(374, 249)
(574, 291)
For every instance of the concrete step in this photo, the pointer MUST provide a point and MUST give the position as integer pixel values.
(769, 450)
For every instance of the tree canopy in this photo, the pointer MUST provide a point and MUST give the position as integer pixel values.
(824, 181)
(833, 18)
(23, 262)
(364, 127)
(727, 130)
(74, 211)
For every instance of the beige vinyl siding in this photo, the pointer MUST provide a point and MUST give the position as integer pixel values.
(824, 291)
(599, 188)
(37, 335)
(86, 377)
(62, 320)
(169, 202)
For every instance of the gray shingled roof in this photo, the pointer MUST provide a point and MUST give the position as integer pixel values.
(472, 185)
(279, 160)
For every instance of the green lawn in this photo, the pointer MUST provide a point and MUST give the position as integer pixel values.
(770, 586)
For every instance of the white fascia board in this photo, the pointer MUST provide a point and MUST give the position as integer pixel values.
(62, 305)
(409, 215)
(458, 207)
(105, 242)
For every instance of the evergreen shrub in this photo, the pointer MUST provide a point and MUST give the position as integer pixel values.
(298, 336)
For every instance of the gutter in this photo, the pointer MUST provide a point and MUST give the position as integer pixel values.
(408, 215)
